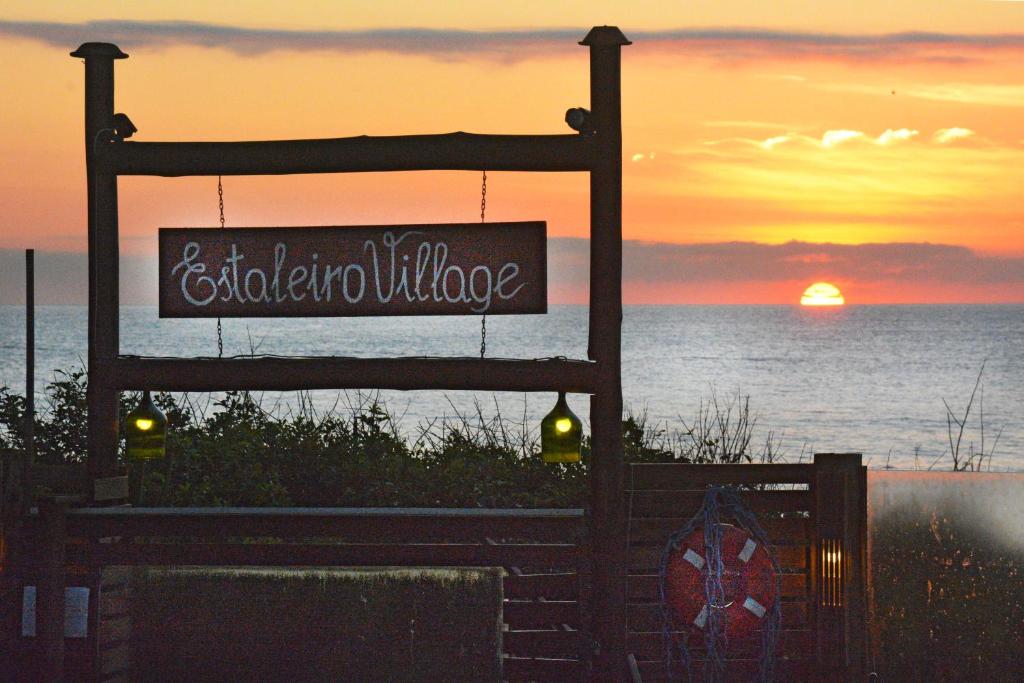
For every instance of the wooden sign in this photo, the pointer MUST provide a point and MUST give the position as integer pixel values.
(441, 269)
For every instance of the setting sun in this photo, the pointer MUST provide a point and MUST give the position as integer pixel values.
(822, 294)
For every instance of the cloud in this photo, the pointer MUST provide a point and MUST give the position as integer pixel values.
(891, 136)
(972, 93)
(831, 138)
(946, 135)
(774, 141)
(984, 94)
(721, 44)
(658, 262)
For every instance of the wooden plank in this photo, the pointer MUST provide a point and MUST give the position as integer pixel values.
(361, 270)
(113, 604)
(115, 630)
(738, 671)
(450, 151)
(556, 643)
(660, 476)
(115, 660)
(673, 503)
(329, 555)
(528, 615)
(647, 559)
(110, 488)
(646, 616)
(550, 586)
(514, 669)
(644, 587)
(794, 529)
(354, 524)
(792, 644)
(404, 374)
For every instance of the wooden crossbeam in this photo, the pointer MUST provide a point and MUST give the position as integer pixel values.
(449, 151)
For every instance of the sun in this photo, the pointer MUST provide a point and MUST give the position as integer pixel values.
(822, 294)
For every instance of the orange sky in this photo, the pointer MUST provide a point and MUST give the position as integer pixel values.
(773, 144)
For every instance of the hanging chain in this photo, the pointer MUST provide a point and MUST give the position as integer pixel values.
(483, 214)
(220, 205)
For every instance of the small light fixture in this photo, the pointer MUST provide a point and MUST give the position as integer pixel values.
(561, 434)
(832, 572)
(145, 431)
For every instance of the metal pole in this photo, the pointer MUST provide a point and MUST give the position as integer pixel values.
(30, 356)
(607, 532)
(103, 256)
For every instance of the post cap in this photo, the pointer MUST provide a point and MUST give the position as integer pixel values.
(108, 50)
(604, 36)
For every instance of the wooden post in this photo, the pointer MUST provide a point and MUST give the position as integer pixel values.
(607, 537)
(103, 255)
(838, 565)
(50, 591)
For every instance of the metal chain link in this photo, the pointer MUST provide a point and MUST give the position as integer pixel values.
(483, 214)
(220, 205)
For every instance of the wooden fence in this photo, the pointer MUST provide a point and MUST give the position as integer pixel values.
(799, 506)
(804, 509)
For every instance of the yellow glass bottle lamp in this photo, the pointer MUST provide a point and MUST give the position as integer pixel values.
(561, 434)
(145, 431)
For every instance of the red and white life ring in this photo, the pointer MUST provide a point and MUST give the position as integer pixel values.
(748, 580)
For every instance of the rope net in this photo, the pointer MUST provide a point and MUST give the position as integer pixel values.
(719, 504)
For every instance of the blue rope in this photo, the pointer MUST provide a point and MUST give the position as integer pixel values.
(719, 502)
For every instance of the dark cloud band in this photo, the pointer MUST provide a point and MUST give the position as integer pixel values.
(511, 45)
(751, 261)
(63, 275)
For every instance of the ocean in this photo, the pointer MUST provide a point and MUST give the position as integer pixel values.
(867, 379)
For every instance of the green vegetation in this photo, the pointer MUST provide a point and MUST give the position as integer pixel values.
(947, 600)
(240, 454)
(322, 625)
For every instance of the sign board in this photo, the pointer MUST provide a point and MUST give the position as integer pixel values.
(437, 269)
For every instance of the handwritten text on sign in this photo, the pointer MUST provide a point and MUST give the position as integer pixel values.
(449, 269)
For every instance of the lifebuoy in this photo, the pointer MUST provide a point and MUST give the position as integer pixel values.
(748, 580)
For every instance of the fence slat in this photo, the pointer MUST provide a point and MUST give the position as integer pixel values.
(644, 587)
(516, 669)
(550, 586)
(355, 524)
(647, 559)
(341, 555)
(646, 616)
(559, 644)
(791, 529)
(792, 644)
(644, 476)
(737, 670)
(676, 503)
(529, 615)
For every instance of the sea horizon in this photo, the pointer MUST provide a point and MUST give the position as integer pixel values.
(866, 378)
